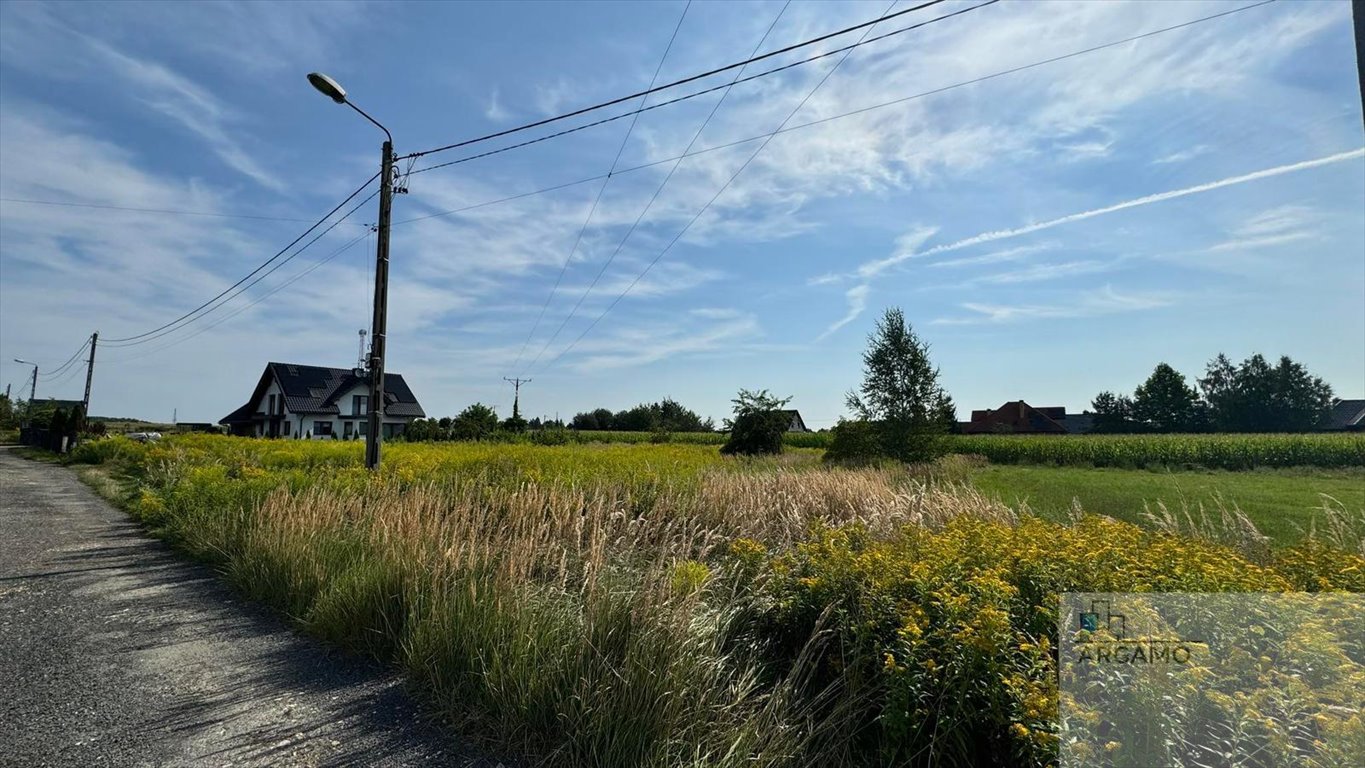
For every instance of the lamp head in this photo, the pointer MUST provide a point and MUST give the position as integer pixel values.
(327, 87)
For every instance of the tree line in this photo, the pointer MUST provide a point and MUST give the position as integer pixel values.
(481, 422)
(1253, 396)
(667, 415)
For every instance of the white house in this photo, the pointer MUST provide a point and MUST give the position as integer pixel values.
(297, 401)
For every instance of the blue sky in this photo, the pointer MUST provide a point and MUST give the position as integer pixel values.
(1051, 233)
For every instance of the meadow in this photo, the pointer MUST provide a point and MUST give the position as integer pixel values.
(662, 605)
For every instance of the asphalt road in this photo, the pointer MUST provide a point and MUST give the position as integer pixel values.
(115, 652)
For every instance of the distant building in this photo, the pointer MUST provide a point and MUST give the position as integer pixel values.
(1019, 418)
(311, 401)
(794, 421)
(1346, 415)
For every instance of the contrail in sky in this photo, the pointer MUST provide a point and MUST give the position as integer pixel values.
(874, 268)
(857, 296)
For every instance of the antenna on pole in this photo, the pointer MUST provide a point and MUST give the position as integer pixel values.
(360, 361)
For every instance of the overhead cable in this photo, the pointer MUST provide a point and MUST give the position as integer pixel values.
(657, 191)
(703, 92)
(705, 207)
(602, 189)
(260, 277)
(181, 319)
(674, 84)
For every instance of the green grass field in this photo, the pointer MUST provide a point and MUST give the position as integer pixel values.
(1280, 502)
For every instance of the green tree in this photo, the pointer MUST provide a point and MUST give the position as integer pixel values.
(1165, 403)
(1113, 413)
(901, 394)
(7, 419)
(758, 424)
(1258, 397)
(476, 422)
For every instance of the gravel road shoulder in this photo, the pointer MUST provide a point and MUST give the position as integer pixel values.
(114, 651)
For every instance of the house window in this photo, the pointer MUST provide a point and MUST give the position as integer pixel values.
(286, 429)
(322, 428)
(347, 429)
(360, 404)
(271, 408)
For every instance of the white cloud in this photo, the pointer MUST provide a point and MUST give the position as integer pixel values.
(857, 302)
(495, 111)
(1042, 272)
(1183, 155)
(1106, 302)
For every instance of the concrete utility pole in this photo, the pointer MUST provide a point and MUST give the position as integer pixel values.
(1358, 17)
(89, 375)
(516, 394)
(329, 88)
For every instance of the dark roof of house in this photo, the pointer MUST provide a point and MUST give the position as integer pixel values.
(1346, 414)
(1017, 416)
(795, 415)
(315, 389)
(1077, 423)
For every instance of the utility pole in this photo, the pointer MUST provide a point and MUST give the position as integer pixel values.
(89, 375)
(381, 310)
(33, 389)
(332, 90)
(516, 395)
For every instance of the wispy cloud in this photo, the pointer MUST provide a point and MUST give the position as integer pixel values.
(189, 105)
(1276, 226)
(1041, 272)
(1106, 302)
(1183, 155)
(857, 302)
(995, 257)
(495, 111)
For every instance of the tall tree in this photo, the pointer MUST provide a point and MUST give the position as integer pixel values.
(1259, 397)
(1165, 403)
(1113, 413)
(900, 393)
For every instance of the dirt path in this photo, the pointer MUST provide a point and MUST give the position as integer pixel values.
(114, 651)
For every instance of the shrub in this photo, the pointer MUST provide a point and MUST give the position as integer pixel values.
(854, 442)
(759, 424)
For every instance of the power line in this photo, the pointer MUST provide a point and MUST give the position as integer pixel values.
(261, 277)
(674, 84)
(600, 190)
(703, 92)
(258, 300)
(659, 190)
(780, 129)
(58, 370)
(706, 207)
(167, 211)
(823, 120)
(263, 265)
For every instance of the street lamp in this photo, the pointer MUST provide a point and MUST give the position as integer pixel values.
(332, 90)
(33, 388)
